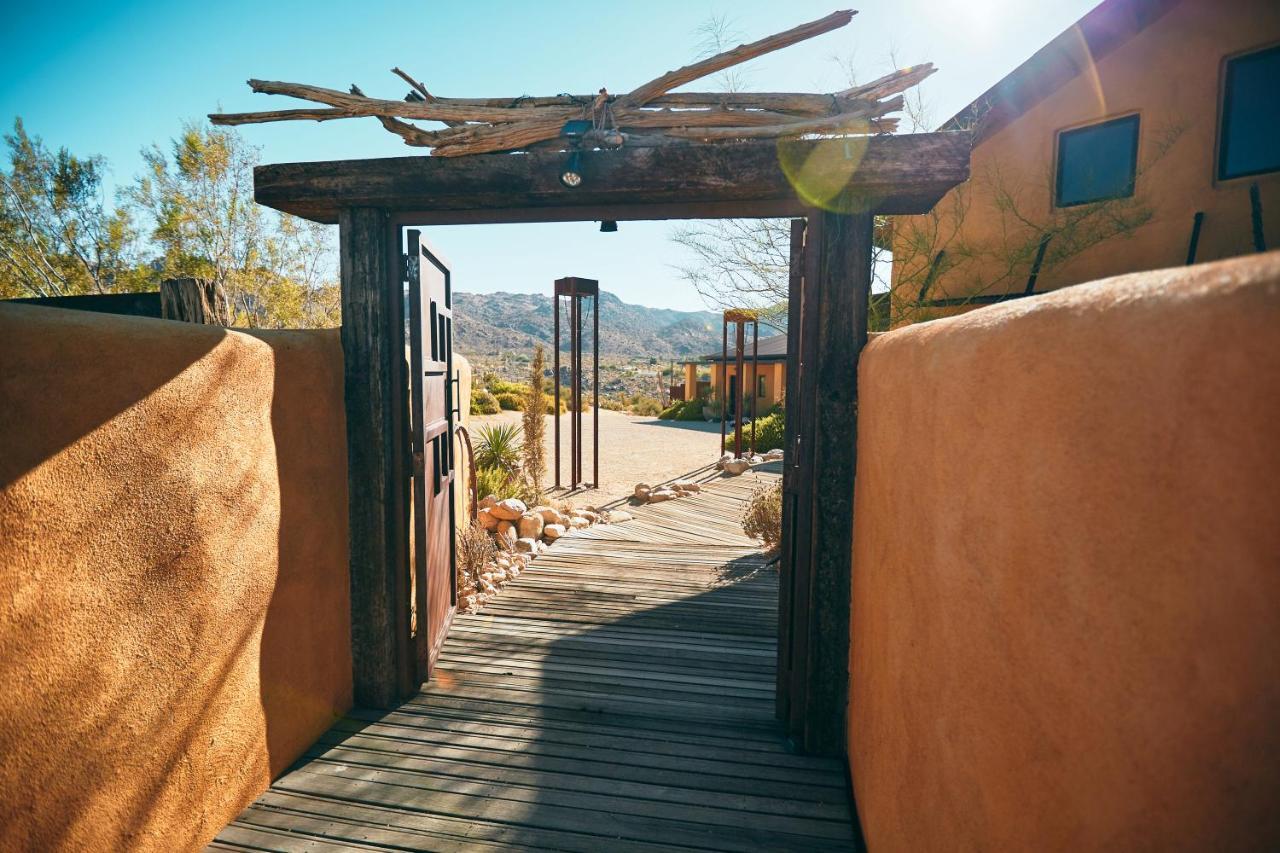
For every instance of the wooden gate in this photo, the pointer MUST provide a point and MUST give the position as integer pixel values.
(431, 417)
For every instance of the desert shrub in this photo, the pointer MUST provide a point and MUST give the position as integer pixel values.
(534, 407)
(612, 404)
(770, 431)
(762, 518)
(692, 411)
(673, 411)
(498, 448)
(509, 402)
(476, 550)
(552, 408)
(501, 386)
(642, 405)
(483, 403)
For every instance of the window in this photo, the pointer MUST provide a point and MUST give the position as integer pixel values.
(761, 392)
(1097, 162)
(1249, 140)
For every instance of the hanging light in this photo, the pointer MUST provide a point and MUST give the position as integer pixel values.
(569, 175)
(608, 226)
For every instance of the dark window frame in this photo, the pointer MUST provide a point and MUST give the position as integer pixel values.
(1133, 118)
(1224, 104)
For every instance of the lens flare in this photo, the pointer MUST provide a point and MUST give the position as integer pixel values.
(822, 172)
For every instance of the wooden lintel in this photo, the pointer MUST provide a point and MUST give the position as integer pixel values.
(883, 174)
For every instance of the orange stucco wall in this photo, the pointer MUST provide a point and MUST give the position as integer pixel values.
(174, 604)
(1065, 630)
(1171, 75)
(772, 372)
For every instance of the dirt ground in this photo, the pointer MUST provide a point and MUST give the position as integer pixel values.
(633, 450)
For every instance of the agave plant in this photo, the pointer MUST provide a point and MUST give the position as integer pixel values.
(498, 449)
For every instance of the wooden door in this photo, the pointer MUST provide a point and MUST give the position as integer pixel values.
(431, 418)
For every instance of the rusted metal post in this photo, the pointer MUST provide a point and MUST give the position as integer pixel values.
(595, 392)
(575, 380)
(755, 369)
(555, 404)
(724, 375)
(738, 412)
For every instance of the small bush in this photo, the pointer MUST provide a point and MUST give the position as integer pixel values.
(476, 550)
(762, 518)
(483, 403)
(509, 402)
(692, 411)
(501, 386)
(770, 431)
(552, 408)
(498, 447)
(673, 411)
(642, 405)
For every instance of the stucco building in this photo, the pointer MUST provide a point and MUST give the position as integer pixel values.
(770, 375)
(1145, 136)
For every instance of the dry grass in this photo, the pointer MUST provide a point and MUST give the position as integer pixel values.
(475, 551)
(762, 519)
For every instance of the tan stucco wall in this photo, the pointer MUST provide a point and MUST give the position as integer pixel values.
(773, 373)
(462, 469)
(1171, 75)
(1065, 631)
(174, 603)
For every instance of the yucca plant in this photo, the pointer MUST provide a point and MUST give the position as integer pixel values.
(498, 448)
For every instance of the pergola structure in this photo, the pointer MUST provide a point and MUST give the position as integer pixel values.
(831, 187)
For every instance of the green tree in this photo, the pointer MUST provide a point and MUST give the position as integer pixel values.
(273, 269)
(59, 236)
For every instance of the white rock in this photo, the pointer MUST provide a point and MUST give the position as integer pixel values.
(617, 516)
(727, 456)
(515, 571)
(502, 562)
(577, 523)
(488, 587)
(659, 495)
(509, 510)
(587, 514)
(530, 526)
(552, 532)
(686, 486)
(734, 467)
(774, 455)
(525, 545)
(499, 576)
(756, 460)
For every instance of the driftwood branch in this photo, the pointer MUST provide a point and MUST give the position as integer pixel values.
(648, 115)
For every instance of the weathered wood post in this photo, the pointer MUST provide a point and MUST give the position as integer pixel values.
(377, 475)
(191, 300)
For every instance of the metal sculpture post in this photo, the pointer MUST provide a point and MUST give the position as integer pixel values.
(741, 319)
(573, 291)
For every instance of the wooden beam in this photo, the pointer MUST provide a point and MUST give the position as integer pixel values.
(888, 174)
(843, 269)
(377, 481)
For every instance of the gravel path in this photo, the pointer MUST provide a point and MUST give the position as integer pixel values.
(632, 450)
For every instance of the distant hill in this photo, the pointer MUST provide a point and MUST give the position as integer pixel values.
(489, 323)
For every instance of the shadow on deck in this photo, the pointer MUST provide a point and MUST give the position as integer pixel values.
(618, 696)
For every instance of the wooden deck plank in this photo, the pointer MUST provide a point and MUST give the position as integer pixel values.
(618, 695)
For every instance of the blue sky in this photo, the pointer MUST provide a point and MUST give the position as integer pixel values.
(111, 78)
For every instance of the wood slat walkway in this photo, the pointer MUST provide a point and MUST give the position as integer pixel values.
(617, 696)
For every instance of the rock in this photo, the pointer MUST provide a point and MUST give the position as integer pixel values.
(659, 495)
(734, 467)
(506, 534)
(530, 526)
(525, 545)
(578, 523)
(587, 514)
(774, 455)
(515, 571)
(756, 460)
(552, 532)
(727, 456)
(502, 562)
(486, 577)
(539, 548)
(488, 587)
(617, 516)
(487, 520)
(509, 510)
(468, 602)
(686, 486)
(500, 576)
(549, 513)
(642, 491)
(488, 501)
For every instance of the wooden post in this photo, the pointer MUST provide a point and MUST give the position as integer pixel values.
(377, 479)
(555, 408)
(190, 300)
(842, 271)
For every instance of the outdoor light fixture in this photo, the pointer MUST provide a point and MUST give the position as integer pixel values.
(569, 175)
(608, 226)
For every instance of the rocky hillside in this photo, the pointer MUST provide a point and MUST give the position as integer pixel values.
(490, 323)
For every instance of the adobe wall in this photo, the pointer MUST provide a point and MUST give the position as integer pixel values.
(1064, 629)
(174, 602)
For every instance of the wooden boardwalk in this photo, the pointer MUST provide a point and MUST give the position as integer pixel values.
(617, 696)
